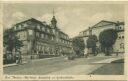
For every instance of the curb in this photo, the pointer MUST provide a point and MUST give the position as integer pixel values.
(10, 65)
(14, 64)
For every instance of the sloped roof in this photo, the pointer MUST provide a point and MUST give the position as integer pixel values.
(121, 23)
(63, 32)
(34, 20)
(31, 19)
(102, 23)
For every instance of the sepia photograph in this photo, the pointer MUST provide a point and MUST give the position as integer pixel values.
(63, 39)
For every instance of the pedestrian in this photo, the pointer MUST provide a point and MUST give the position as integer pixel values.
(17, 58)
(20, 57)
(117, 53)
(86, 52)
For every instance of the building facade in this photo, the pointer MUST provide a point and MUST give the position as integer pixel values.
(42, 40)
(103, 25)
(119, 44)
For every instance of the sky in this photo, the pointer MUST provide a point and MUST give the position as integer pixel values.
(71, 18)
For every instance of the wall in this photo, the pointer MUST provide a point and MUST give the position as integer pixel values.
(119, 44)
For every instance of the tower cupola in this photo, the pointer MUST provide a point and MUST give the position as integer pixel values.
(53, 21)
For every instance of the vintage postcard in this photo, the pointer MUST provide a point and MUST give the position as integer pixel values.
(63, 40)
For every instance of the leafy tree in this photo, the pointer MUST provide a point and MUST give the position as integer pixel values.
(11, 41)
(107, 39)
(78, 46)
(91, 43)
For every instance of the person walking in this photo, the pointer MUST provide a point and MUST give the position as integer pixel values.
(19, 58)
(117, 53)
(86, 52)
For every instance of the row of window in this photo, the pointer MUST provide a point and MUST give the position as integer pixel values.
(47, 49)
(85, 33)
(121, 37)
(49, 31)
(22, 35)
(39, 27)
(64, 41)
(120, 28)
(46, 36)
(20, 26)
(45, 29)
(50, 37)
(122, 46)
(40, 48)
(64, 36)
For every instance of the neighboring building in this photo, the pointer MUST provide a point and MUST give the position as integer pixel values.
(41, 39)
(119, 44)
(85, 34)
(103, 25)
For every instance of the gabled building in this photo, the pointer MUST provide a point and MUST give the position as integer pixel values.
(42, 40)
(119, 44)
(103, 25)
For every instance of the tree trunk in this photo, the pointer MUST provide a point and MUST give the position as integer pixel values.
(107, 51)
(94, 50)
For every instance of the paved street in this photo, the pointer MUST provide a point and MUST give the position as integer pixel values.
(60, 65)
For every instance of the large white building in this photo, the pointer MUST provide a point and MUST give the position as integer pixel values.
(103, 25)
(42, 40)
